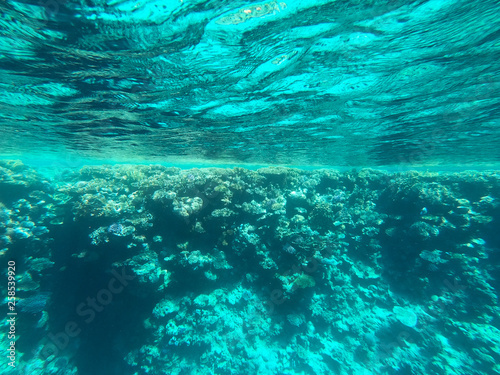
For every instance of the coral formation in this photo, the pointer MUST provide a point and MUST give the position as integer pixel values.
(269, 271)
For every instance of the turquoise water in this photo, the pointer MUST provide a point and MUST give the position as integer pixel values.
(324, 83)
(225, 187)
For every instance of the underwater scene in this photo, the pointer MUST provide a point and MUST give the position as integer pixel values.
(231, 187)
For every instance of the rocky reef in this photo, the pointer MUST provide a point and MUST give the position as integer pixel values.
(154, 270)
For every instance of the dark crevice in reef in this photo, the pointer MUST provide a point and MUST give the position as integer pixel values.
(272, 270)
(108, 314)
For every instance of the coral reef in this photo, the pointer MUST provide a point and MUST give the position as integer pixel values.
(272, 271)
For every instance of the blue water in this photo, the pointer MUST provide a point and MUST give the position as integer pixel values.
(225, 187)
(323, 83)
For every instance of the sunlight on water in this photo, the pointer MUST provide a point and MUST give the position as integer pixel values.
(342, 83)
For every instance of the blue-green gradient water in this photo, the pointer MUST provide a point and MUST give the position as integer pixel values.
(151, 222)
(328, 83)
